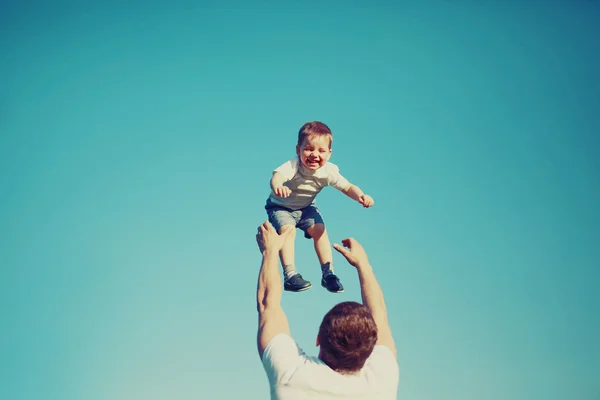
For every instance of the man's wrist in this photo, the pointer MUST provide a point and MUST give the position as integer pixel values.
(267, 254)
(364, 265)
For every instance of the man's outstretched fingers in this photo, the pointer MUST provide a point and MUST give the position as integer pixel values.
(347, 242)
(339, 248)
(343, 251)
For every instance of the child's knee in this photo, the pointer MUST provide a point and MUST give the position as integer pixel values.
(286, 228)
(316, 231)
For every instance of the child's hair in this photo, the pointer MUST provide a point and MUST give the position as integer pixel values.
(314, 128)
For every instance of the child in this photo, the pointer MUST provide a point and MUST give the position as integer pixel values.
(291, 204)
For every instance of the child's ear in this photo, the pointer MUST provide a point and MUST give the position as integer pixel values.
(318, 342)
(297, 150)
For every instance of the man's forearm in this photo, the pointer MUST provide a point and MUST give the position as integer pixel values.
(372, 295)
(269, 282)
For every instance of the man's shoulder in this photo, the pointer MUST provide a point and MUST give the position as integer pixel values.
(382, 351)
(383, 364)
(280, 340)
(281, 358)
(281, 348)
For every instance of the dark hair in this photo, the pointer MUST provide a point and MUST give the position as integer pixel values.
(347, 336)
(314, 128)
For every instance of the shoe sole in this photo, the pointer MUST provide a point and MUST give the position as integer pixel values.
(298, 290)
(331, 291)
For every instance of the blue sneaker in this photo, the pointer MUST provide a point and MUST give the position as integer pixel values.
(332, 283)
(296, 284)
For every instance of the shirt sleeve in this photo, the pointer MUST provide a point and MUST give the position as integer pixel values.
(281, 358)
(288, 169)
(335, 179)
(384, 366)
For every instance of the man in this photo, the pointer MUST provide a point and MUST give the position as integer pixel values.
(357, 355)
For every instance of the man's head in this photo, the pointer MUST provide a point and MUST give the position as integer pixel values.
(314, 144)
(347, 337)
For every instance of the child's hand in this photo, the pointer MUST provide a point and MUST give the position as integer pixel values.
(366, 200)
(283, 191)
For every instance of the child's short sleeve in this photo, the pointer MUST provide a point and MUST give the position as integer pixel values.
(335, 179)
(288, 169)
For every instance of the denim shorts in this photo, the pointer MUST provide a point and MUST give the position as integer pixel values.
(302, 219)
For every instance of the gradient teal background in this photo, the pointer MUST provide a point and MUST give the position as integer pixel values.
(136, 147)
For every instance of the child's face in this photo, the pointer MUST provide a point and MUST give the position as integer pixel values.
(314, 151)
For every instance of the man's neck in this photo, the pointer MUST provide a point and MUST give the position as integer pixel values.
(342, 371)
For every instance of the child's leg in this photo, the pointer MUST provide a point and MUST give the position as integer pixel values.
(284, 220)
(323, 248)
(286, 254)
(293, 282)
(322, 244)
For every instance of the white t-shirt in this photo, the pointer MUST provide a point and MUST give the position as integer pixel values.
(305, 184)
(295, 376)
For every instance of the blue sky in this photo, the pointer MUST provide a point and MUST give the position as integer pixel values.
(136, 147)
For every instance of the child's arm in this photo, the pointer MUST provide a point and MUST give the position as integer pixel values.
(356, 194)
(277, 182)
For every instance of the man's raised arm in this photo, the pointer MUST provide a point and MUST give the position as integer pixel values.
(271, 318)
(372, 295)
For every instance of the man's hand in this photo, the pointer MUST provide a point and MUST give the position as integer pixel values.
(282, 191)
(366, 200)
(268, 239)
(355, 254)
